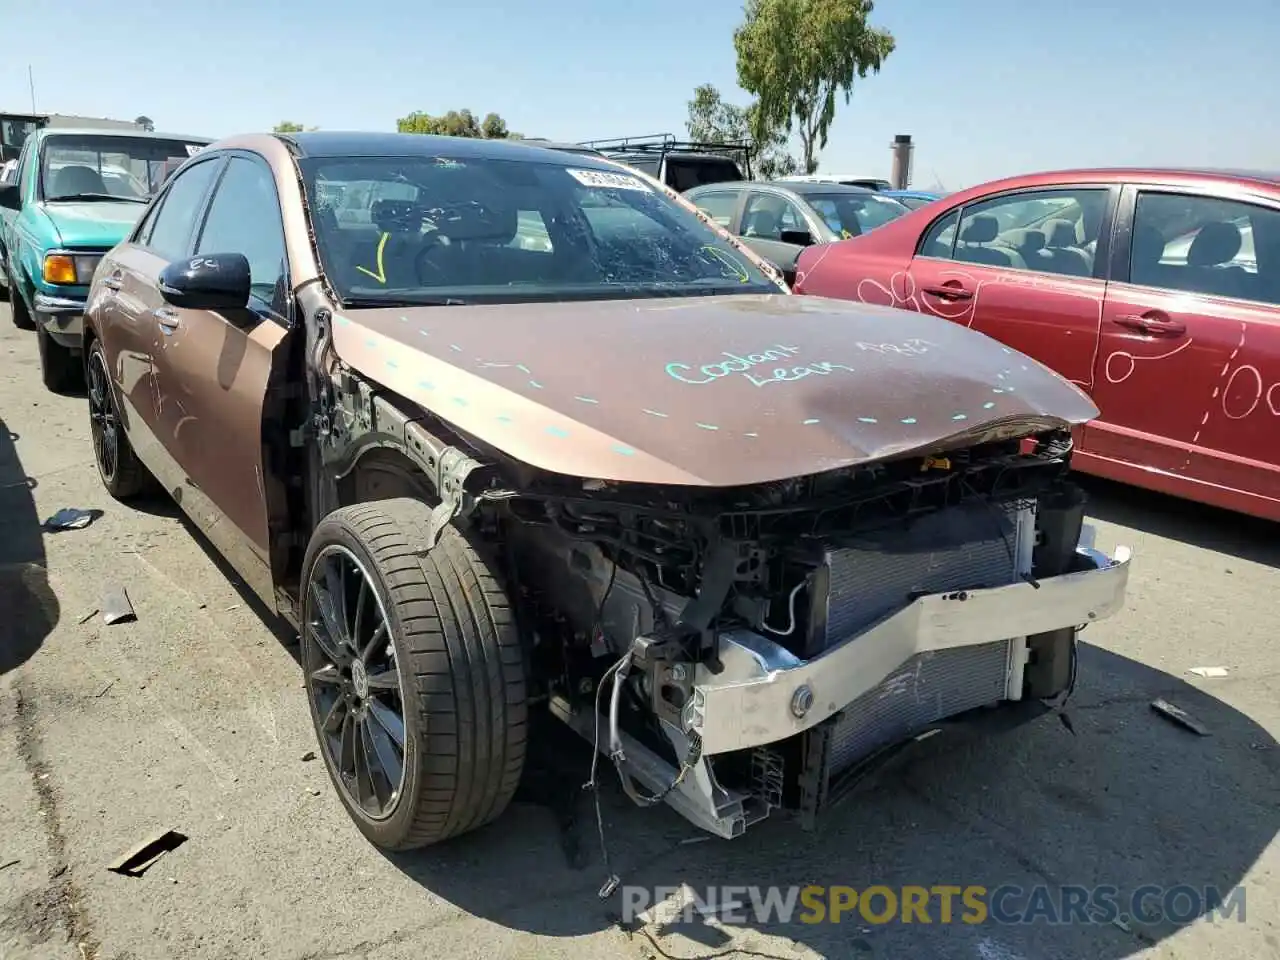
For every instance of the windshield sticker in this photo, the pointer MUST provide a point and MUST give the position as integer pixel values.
(605, 179)
(193, 149)
(748, 367)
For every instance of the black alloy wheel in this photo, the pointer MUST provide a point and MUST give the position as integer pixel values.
(354, 682)
(122, 473)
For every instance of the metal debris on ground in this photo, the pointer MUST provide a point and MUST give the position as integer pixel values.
(308, 756)
(89, 616)
(104, 690)
(71, 518)
(138, 860)
(1179, 716)
(116, 607)
(1209, 673)
(11, 863)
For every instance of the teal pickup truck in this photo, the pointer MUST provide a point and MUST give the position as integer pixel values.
(76, 194)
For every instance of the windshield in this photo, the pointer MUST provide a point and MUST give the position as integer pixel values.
(443, 229)
(853, 214)
(100, 166)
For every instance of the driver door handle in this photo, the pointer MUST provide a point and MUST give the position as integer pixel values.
(1153, 322)
(112, 283)
(945, 292)
(167, 318)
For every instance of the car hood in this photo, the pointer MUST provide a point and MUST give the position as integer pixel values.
(709, 391)
(96, 223)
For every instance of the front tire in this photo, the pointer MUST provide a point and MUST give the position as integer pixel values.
(414, 674)
(18, 307)
(60, 368)
(121, 471)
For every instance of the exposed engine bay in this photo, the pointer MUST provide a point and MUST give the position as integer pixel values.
(743, 650)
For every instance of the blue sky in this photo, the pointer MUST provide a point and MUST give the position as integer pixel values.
(985, 87)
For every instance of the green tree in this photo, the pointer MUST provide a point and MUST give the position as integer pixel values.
(145, 122)
(711, 120)
(288, 126)
(456, 123)
(794, 56)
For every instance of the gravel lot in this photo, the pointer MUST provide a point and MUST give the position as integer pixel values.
(193, 719)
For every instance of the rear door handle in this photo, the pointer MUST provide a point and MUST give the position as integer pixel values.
(949, 293)
(167, 318)
(1153, 322)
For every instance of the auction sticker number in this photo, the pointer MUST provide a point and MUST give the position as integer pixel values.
(602, 178)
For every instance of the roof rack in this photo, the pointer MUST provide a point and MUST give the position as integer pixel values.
(664, 143)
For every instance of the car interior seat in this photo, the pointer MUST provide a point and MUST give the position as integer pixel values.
(1209, 267)
(1063, 246)
(74, 179)
(975, 238)
(764, 223)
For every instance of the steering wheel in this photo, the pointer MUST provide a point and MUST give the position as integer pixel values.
(422, 258)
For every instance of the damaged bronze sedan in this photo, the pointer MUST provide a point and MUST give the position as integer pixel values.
(502, 429)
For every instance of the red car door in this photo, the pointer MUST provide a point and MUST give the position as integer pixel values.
(1018, 265)
(1022, 268)
(1188, 371)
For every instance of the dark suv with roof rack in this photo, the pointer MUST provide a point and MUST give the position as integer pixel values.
(680, 164)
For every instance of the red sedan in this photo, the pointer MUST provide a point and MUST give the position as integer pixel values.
(1156, 291)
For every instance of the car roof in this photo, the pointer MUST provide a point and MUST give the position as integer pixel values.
(1122, 174)
(560, 145)
(332, 144)
(806, 187)
(669, 154)
(47, 132)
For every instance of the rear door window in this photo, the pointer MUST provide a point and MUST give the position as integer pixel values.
(767, 215)
(719, 205)
(1049, 231)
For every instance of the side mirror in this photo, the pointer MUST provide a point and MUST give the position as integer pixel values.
(10, 199)
(798, 238)
(212, 281)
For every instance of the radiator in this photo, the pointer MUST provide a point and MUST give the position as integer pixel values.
(872, 576)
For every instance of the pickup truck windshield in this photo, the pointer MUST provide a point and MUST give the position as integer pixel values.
(442, 229)
(106, 167)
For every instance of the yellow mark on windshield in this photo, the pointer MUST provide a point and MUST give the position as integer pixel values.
(845, 234)
(381, 275)
(730, 261)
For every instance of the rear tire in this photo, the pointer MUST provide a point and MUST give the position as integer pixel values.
(456, 652)
(60, 368)
(121, 471)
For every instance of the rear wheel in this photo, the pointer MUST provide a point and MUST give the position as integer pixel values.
(121, 471)
(414, 674)
(60, 368)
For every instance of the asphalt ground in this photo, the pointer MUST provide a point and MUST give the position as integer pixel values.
(193, 719)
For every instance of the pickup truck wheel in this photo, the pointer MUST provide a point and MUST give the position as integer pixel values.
(414, 674)
(18, 307)
(121, 471)
(60, 368)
